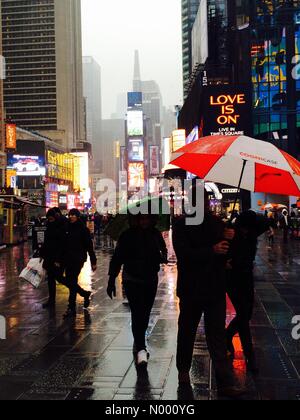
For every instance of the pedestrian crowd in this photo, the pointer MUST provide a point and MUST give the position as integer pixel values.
(214, 259)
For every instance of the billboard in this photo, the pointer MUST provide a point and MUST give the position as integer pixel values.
(269, 72)
(135, 99)
(74, 202)
(136, 176)
(11, 178)
(26, 165)
(193, 136)
(178, 139)
(11, 136)
(135, 123)
(227, 110)
(154, 158)
(52, 199)
(136, 150)
(82, 175)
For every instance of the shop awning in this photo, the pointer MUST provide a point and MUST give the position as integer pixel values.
(19, 200)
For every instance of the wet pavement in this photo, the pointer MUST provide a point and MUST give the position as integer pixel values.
(46, 358)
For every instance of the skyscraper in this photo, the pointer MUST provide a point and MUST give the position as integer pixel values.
(92, 95)
(2, 139)
(189, 10)
(137, 86)
(42, 47)
(152, 101)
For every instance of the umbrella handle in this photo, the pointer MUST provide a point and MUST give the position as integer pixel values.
(238, 190)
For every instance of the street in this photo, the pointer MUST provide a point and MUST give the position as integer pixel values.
(46, 358)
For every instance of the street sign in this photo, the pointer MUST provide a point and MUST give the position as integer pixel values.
(7, 192)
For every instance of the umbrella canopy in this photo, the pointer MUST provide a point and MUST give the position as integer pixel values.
(241, 161)
(121, 222)
(273, 207)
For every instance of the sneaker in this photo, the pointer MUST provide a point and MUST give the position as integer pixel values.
(231, 391)
(87, 300)
(142, 358)
(71, 313)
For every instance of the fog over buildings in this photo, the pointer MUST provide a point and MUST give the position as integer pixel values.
(153, 28)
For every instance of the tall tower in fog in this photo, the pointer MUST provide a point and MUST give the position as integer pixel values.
(43, 88)
(137, 84)
(92, 95)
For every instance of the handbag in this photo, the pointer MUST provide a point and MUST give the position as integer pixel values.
(34, 273)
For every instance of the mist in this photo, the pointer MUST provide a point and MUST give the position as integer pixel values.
(113, 30)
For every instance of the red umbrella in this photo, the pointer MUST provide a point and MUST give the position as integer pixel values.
(242, 162)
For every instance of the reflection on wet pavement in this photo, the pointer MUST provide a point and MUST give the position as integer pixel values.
(45, 357)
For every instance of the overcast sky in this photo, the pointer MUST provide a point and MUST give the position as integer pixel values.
(113, 29)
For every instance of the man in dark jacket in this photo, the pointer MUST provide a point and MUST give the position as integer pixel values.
(78, 244)
(201, 252)
(240, 281)
(52, 254)
(141, 249)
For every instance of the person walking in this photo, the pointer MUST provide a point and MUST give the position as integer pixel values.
(285, 224)
(52, 254)
(201, 253)
(141, 250)
(78, 245)
(240, 281)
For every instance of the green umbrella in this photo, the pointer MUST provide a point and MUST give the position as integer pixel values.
(156, 206)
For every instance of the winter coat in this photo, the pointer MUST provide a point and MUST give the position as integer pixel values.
(141, 252)
(78, 244)
(53, 248)
(201, 272)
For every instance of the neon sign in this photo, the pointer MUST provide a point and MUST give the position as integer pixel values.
(227, 104)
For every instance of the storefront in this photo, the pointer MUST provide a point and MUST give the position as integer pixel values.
(13, 218)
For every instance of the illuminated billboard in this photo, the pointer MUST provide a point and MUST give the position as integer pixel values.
(269, 72)
(11, 136)
(193, 136)
(178, 140)
(26, 165)
(74, 202)
(154, 159)
(135, 123)
(136, 176)
(135, 99)
(227, 110)
(135, 150)
(82, 174)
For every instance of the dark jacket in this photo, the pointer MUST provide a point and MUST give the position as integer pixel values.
(244, 245)
(53, 247)
(141, 252)
(201, 273)
(78, 244)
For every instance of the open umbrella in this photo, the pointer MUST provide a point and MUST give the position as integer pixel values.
(242, 162)
(121, 223)
(273, 207)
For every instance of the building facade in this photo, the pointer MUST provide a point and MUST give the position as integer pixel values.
(2, 115)
(43, 88)
(189, 10)
(93, 100)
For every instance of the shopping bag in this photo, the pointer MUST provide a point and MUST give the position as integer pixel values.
(34, 273)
